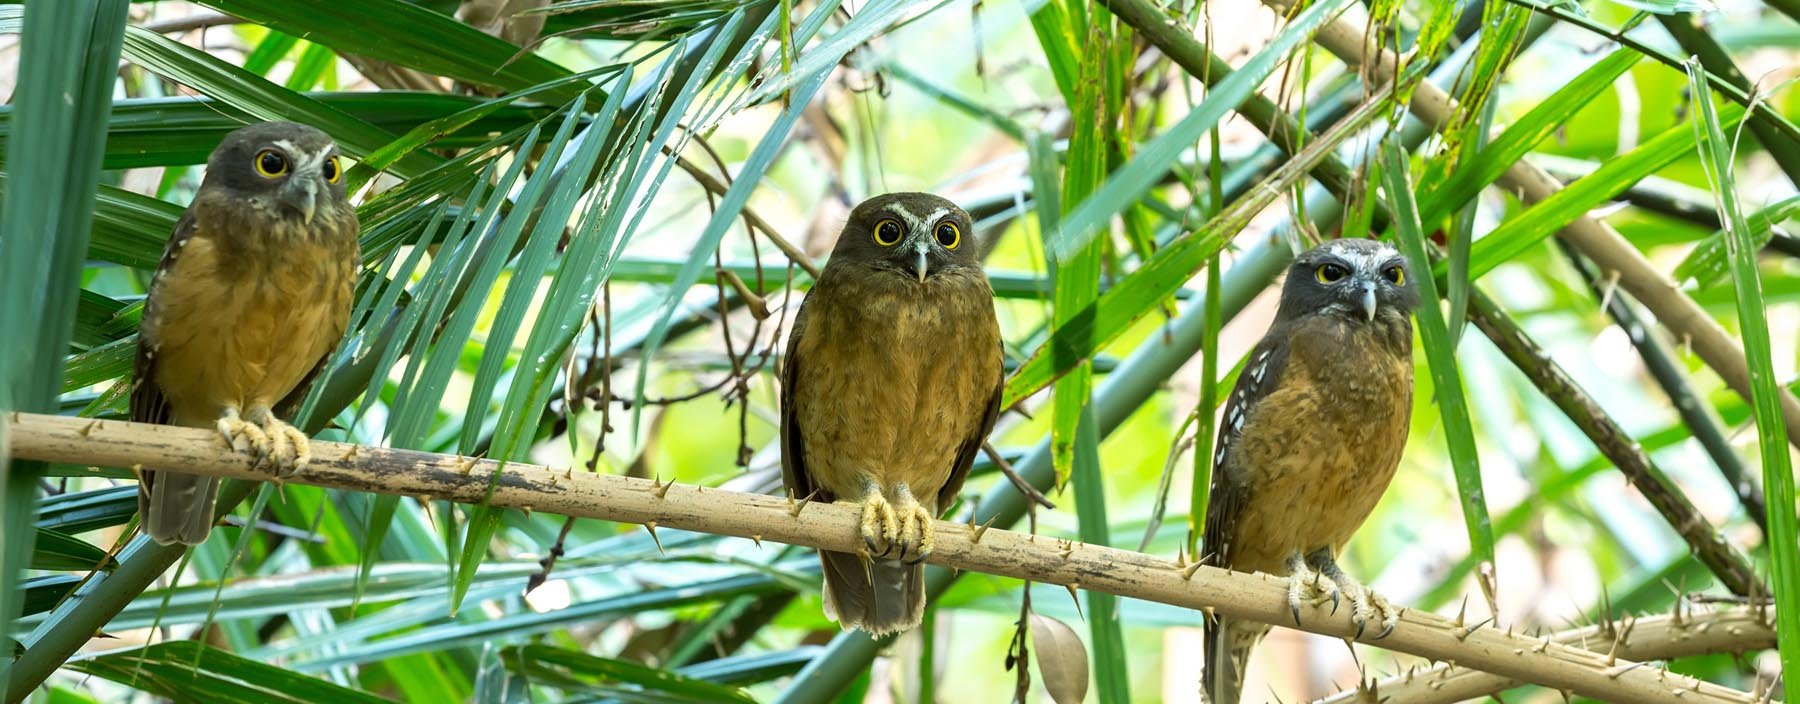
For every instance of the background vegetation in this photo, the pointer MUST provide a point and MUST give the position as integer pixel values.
(583, 253)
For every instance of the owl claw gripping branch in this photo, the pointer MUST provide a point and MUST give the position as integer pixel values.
(252, 293)
(891, 383)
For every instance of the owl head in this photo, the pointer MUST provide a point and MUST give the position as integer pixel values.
(285, 169)
(916, 235)
(1357, 279)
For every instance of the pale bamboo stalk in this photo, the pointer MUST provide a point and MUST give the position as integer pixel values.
(1260, 598)
(1662, 637)
(1690, 325)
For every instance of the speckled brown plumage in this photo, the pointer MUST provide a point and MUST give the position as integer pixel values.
(252, 293)
(1311, 436)
(891, 383)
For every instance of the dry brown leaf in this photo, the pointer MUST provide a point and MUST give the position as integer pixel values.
(1061, 658)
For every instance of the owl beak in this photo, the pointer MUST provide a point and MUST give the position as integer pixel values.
(1368, 299)
(302, 194)
(923, 266)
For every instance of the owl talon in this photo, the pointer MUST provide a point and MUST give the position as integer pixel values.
(917, 535)
(1310, 587)
(880, 527)
(244, 437)
(289, 449)
(1366, 605)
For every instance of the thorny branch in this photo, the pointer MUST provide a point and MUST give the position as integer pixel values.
(1683, 633)
(1259, 598)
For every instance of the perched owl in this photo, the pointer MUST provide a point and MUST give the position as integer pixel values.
(1310, 438)
(253, 292)
(891, 383)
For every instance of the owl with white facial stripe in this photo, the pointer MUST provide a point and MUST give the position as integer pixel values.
(890, 385)
(252, 293)
(1309, 441)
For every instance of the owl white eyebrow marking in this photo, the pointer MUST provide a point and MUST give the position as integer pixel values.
(303, 160)
(913, 223)
(1363, 259)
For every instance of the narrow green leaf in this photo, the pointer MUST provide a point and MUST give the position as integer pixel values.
(1783, 537)
(43, 593)
(1074, 442)
(60, 552)
(1111, 673)
(130, 229)
(1437, 200)
(1440, 355)
(418, 38)
(82, 511)
(577, 671)
(1617, 174)
(310, 68)
(1128, 184)
(274, 47)
(473, 118)
(184, 670)
(183, 131)
(1200, 490)
(67, 67)
(1707, 264)
(761, 157)
(258, 98)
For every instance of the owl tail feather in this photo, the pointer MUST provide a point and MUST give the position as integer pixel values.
(880, 597)
(176, 508)
(1228, 645)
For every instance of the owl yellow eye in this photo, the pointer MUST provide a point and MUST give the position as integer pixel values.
(331, 171)
(271, 163)
(1329, 273)
(1395, 275)
(948, 235)
(887, 232)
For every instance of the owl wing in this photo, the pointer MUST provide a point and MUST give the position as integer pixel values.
(1220, 676)
(971, 446)
(1229, 492)
(793, 451)
(148, 404)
